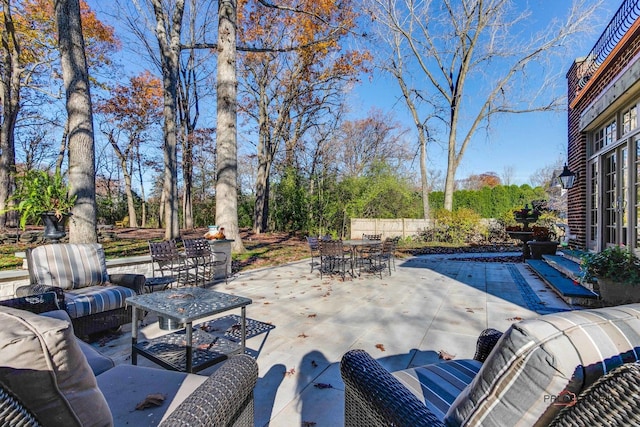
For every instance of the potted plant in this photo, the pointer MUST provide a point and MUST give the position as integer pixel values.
(543, 242)
(46, 196)
(617, 271)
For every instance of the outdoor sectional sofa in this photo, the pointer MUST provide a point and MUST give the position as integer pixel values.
(570, 368)
(49, 377)
(94, 299)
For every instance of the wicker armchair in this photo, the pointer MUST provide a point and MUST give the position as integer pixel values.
(553, 370)
(94, 299)
(612, 400)
(374, 397)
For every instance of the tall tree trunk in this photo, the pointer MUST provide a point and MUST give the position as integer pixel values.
(10, 96)
(422, 135)
(452, 167)
(79, 111)
(126, 172)
(426, 208)
(168, 35)
(187, 178)
(170, 188)
(63, 146)
(143, 219)
(227, 144)
(261, 209)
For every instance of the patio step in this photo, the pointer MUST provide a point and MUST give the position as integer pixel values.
(570, 267)
(568, 288)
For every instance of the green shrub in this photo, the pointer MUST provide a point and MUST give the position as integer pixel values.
(615, 262)
(461, 226)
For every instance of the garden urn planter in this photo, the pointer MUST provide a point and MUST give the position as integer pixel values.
(54, 226)
(613, 292)
(539, 248)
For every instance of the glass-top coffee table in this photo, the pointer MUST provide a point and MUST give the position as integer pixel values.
(189, 349)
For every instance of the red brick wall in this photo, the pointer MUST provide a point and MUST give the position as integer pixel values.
(578, 101)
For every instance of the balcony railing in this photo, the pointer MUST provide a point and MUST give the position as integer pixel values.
(617, 28)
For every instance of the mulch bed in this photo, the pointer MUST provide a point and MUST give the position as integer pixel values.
(489, 249)
(505, 258)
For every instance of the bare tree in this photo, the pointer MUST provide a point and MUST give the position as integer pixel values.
(545, 176)
(80, 122)
(375, 138)
(507, 175)
(168, 35)
(288, 93)
(449, 48)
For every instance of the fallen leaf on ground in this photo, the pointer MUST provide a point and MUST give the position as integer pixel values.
(446, 356)
(322, 385)
(303, 335)
(515, 319)
(207, 346)
(312, 315)
(380, 347)
(290, 372)
(151, 401)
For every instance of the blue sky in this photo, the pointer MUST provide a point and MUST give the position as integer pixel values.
(525, 142)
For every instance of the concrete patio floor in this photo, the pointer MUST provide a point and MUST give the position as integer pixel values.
(429, 304)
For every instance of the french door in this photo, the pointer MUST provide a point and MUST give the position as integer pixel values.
(615, 214)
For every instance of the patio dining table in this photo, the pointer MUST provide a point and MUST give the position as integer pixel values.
(359, 249)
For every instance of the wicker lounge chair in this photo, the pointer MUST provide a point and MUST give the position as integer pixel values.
(38, 388)
(539, 372)
(94, 299)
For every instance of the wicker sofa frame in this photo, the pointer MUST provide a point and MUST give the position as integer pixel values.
(225, 398)
(88, 325)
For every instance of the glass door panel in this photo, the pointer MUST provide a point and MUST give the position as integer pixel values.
(635, 202)
(610, 199)
(622, 198)
(593, 208)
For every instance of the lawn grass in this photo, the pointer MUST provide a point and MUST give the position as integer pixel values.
(264, 250)
(258, 253)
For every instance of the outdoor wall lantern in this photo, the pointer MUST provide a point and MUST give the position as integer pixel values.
(567, 178)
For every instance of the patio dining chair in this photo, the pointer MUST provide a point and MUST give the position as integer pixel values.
(207, 263)
(371, 236)
(314, 250)
(386, 256)
(334, 258)
(168, 261)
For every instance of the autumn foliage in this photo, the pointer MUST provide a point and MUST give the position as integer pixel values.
(136, 104)
(37, 33)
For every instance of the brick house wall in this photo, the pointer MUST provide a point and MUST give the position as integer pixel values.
(603, 81)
